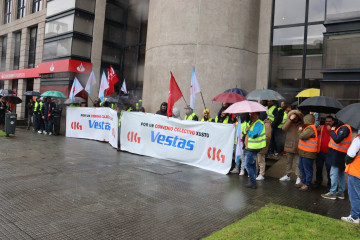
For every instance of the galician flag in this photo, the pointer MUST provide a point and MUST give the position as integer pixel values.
(123, 87)
(194, 89)
(239, 142)
(104, 84)
(75, 89)
(91, 81)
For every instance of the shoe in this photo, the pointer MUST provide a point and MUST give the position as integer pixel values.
(250, 185)
(260, 178)
(242, 172)
(276, 155)
(45, 132)
(304, 188)
(329, 195)
(235, 170)
(340, 196)
(299, 185)
(40, 132)
(285, 178)
(50, 133)
(350, 219)
(298, 181)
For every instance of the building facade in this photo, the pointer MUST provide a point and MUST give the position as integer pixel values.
(284, 45)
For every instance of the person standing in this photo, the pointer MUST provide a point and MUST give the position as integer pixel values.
(190, 115)
(30, 107)
(163, 109)
(324, 139)
(261, 164)
(255, 141)
(57, 117)
(41, 120)
(339, 144)
(352, 161)
(308, 147)
(206, 117)
(293, 122)
(223, 117)
(47, 114)
(4, 107)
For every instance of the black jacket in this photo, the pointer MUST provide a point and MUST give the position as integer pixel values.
(45, 110)
(337, 158)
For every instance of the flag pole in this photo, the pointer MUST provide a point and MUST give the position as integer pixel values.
(203, 99)
(185, 100)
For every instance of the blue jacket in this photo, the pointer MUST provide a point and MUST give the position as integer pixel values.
(337, 158)
(45, 110)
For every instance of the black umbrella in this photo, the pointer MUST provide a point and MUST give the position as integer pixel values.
(321, 104)
(32, 93)
(350, 115)
(13, 99)
(75, 100)
(121, 99)
(4, 92)
(238, 91)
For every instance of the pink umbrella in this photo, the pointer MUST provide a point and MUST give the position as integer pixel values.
(246, 107)
(229, 97)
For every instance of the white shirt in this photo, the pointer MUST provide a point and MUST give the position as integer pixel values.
(354, 147)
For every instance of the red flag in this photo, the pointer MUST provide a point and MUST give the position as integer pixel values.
(174, 95)
(112, 78)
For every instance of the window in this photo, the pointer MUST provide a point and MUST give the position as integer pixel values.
(7, 11)
(81, 48)
(316, 10)
(88, 5)
(83, 25)
(342, 9)
(21, 8)
(3, 53)
(58, 6)
(32, 47)
(59, 48)
(342, 51)
(114, 12)
(17, 50)
(36, 7)
(289, 12)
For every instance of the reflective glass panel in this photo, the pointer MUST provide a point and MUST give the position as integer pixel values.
(88, 5)
(83, 25)
(81, 48)
(289, 12)
(342, 9)
(57, 48)
(59, 26)
(57, 6)
(287, 57)
(316, 10)
(342, 51)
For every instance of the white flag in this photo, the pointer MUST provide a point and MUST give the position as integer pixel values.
(91, 81)
(104, 84)
(239, 142)
(75, 89)
(123, 87)
(195, 88)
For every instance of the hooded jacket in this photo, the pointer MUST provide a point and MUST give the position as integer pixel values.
(291, 128)
(306, 134)
(160, 112)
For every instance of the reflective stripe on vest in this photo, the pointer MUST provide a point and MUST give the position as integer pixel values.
(283, 121)
(260, 141)
(226, 120)
(344, 145)
(209, 120)
(270, 113)
(129, 110)
(311, 144)
(190, 117)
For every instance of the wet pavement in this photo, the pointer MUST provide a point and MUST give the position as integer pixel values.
(52, 187)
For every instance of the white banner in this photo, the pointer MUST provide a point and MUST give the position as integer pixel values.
(202, 144)
(92, 123)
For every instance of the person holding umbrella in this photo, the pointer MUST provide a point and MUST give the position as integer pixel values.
(30, 107)
(4, 107)
(37, 114)
(47, 113)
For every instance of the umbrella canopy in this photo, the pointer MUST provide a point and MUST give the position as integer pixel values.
(311, 92)
(321, 104)
(4, 92)
(13, 99)
(264, 94)
(32, 93)
(76, 100)
(350, 115)
(229, 97)
(53, 94)
(120, 99)
(238, 91)
(246, 107)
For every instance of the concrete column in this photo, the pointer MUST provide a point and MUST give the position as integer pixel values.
(40, 43)
(24, 48)
(218, 38)
(14, 10)
(264, 44)
(29, 4)
(10, 51)
(37, 82)
(2, 3)
(20, 108)
(96, 51)
(7, 84)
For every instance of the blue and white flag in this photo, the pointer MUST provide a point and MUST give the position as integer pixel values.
(104, 84)
(91, 81)
(239, 142)
(75, 89)
(123, 87)
(194, 89)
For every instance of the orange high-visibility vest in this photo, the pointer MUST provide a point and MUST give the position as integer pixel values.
(310, 144)
(354, 167)
(345, 143)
